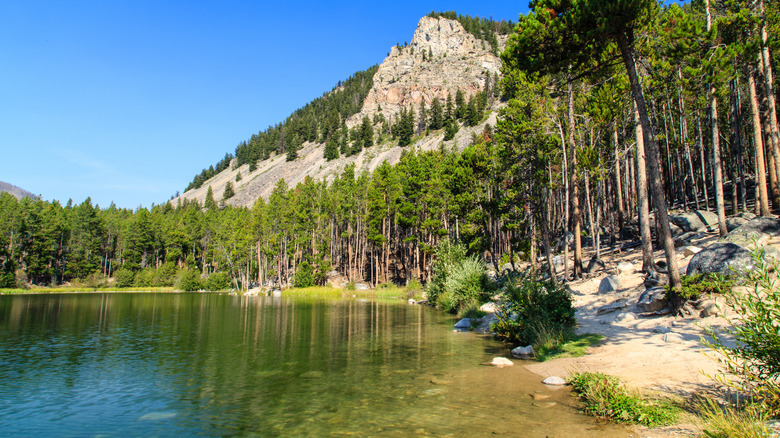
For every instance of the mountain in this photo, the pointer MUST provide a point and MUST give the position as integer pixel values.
(18, 192)
(444, 62)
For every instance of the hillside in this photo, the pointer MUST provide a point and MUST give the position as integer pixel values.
(17, 192)
(443, 61)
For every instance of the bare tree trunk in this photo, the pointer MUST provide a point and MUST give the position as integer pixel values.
(618, 188)
(700, 141)
(758, 143)
(648, 263)
(653, 164)
(575, 194)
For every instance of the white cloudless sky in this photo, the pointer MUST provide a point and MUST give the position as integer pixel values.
(125, 101)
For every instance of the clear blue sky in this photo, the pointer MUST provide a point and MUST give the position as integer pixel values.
(125, 101)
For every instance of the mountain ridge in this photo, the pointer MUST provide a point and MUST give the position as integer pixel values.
(17, 192)
(443, 61)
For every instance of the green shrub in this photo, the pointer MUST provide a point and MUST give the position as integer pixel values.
(458, 280)
(166, 274)
(606, 397)
(7, 276)
(218, 281)
(414, 290)
(189, 281)
(536, 312)
(734, 422)
(694, 286)
(751, 362)
(146, 277)
(124, 277)
(304, 275)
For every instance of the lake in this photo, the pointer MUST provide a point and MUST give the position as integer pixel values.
(136, 364)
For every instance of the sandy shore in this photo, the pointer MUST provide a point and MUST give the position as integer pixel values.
(658, 354)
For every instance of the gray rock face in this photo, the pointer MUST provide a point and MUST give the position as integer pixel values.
(652, 300)
(754, 233)
(610, 283)
(463, 323)
(720, 257)
(694, 221)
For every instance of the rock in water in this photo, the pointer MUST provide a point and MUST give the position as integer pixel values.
(523, 352)
(501, 362)
(554, 380)
(721, 257)
(463, 323)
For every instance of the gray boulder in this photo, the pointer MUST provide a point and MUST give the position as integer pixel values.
(696, 220)
(463, 323)
(756, 232)
(684, 239)
(523, 352)
(653, 300)
(720, 257)
(608, 284)
(732, 223)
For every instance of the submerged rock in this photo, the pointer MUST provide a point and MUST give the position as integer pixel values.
(501, 362)
(554, 380)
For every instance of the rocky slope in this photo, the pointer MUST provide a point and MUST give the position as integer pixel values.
(454, 60)
(17, 192)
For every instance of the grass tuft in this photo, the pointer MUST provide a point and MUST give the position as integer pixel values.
(574, 346)
(607, 397)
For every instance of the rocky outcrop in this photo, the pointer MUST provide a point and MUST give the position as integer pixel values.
(441, 59)
(721, 257)
(404, 79)
(696, 220)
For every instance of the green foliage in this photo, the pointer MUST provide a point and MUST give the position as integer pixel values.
(606, 397)
(205, 174)
(458, 280)
(7, 274)
(573, 346)
(751, 363)
(209, 203)
(304, 275)
(218, 281)
(124, 277)
(451, 128)
(535, 312)
(694, 286)
(229, 192)
(734, 422)
(189, 281)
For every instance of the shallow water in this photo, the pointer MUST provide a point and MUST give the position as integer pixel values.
(217, 365)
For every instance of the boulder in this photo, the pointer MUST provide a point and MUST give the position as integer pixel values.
(755, 232)
(707, 308)
(464, 323)
(696, 220)
(732, 223)
(609, 283)
(673, 338)
(653, 299)
(690, 250)
(489, 307)
(685, 238)
(501, 362)
(523, 352)
(721, 257)
(554, 380)
(612, 307)
(625, 268)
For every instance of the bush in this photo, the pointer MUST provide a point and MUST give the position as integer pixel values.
(7, 276)
(751, 362)
(166, 274)
(189, 281)
(536, 312)
(304, 275)
(458, 280)
(694, 286)
(218, 281)
(146, 277)
(606, 397)
(124, 277)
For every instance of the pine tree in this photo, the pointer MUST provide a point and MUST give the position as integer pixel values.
(210, 203)
(449, 111)
(460, 105)
(436, 117)
(331, 149)
(228, 193)
(423, 114)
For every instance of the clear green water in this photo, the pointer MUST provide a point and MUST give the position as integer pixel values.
(219, 365)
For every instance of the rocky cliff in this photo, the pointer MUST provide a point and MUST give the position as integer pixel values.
(441, 59)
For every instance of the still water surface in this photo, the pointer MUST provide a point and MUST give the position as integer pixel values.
(219, 365)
